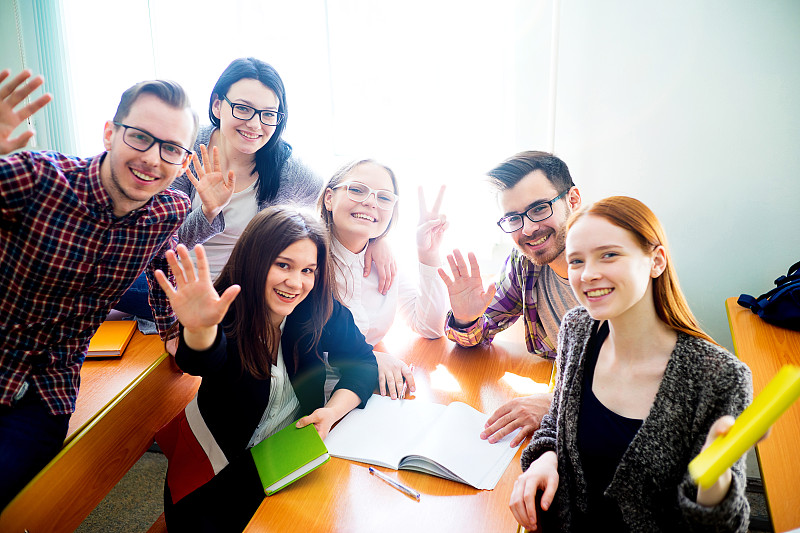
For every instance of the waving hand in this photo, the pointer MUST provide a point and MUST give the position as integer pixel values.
(11, 94)
(215, 189)
(468, 299)
(195, 302)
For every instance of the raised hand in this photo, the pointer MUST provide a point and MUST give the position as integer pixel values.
(11, 94)
(194, 300)
(541, 475)
(431, 227)
(468, 299)
(215, 189)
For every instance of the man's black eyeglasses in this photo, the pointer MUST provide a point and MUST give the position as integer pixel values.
(268, 117)
(536, 213)
(140, 140)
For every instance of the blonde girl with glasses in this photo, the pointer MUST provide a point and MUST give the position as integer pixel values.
(359, 204)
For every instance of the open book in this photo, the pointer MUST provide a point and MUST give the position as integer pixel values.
(442, 440)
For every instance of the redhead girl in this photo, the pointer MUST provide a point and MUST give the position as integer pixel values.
(641, 389)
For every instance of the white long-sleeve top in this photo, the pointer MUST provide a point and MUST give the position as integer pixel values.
(423, 304)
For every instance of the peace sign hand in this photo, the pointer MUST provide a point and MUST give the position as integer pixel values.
(194, 300)
(214, 188)
(11, 94)
(431, 227)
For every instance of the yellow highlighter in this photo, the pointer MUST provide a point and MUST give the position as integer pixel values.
(750, 426)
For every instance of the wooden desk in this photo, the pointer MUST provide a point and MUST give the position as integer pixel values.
(765, 349)
(121, 404)
(343, 496)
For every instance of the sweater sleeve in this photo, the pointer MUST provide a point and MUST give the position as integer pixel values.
(731, 394)
(423, 304)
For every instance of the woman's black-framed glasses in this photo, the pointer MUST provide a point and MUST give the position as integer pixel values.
(535, 213)
(268, 117)
(358, 192)
(141, 140)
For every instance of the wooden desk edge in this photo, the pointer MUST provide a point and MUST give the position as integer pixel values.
(59, 494)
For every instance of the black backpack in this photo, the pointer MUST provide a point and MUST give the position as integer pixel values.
(781, 305)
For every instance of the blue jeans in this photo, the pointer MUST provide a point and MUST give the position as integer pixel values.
(134, 301)
(29, 437)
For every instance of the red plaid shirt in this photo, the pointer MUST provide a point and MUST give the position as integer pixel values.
(65, 261)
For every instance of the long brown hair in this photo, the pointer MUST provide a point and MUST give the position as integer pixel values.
(268, 234)
(635, 217)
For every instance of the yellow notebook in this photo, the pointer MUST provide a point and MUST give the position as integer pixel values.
(774, 400)
(111, 338)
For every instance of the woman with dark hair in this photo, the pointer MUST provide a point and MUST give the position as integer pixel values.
(243, 166)
(258, 337)
(640, 391)
(256, 168)
(360, 203)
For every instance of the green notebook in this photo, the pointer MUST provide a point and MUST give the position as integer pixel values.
(288, 455)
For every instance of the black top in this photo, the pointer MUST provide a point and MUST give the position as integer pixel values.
(603, 438)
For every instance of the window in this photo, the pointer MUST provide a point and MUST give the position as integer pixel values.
(440, 91)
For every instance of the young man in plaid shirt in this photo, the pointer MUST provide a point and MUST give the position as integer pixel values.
(536, 194)
(74, 234)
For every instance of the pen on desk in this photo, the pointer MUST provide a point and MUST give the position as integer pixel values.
(396, 484)
(405, 383)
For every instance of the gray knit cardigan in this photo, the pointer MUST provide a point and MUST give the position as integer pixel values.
(298, 185)
(651, 485)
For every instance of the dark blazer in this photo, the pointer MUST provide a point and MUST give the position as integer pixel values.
(232, 402)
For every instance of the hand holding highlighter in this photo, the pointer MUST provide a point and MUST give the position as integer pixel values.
(750, 426)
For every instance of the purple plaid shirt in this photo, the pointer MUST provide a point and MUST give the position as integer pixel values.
(516, 296)
(66, 260)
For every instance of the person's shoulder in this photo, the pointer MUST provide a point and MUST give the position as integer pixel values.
(203, 137)
(171, 201)
(295, 168)
(577, 318)
(62, 162)
(712, 361)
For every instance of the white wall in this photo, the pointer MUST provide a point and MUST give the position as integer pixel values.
(693, 108)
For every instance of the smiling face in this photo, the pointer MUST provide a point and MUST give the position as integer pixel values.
(131, 177)
(246, 136)
(290, 279)
(541, 242)
(609, 272)
(354, 223)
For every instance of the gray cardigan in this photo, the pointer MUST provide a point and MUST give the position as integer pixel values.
(298, 185)
(652, 487)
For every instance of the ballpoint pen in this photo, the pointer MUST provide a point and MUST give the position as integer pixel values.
(405, 383)
(408, 491)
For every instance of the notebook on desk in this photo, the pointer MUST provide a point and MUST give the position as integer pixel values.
(436, 439)
(111, 338)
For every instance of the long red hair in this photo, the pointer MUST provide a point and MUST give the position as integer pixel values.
(632, 215)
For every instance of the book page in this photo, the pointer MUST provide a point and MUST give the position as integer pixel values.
(454, 443)
(382, 432)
